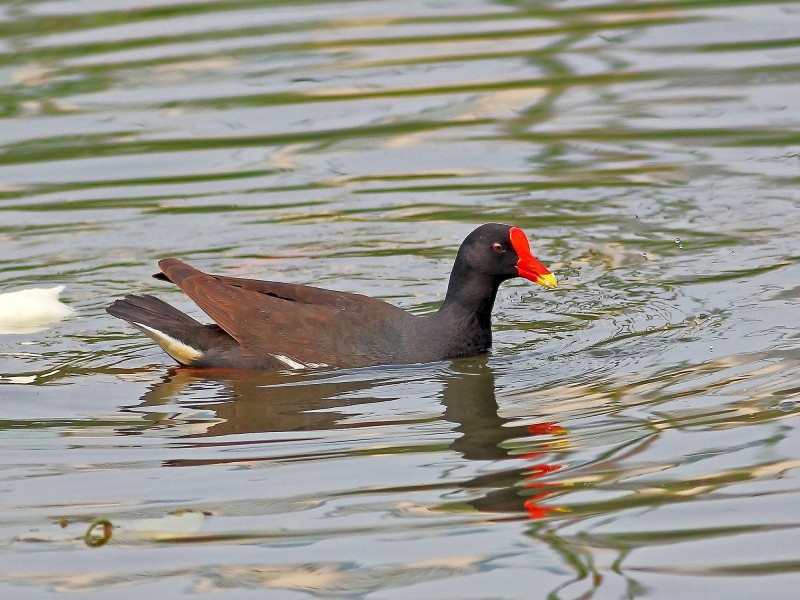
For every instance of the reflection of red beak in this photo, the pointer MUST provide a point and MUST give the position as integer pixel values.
(535, 510)
(527, 265)
(548, 427)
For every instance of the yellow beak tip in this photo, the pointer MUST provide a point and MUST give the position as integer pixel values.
(549, 280)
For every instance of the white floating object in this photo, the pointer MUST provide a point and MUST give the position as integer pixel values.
(26, 311)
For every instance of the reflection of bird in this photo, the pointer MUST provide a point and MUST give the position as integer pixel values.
(524, 457)
(246, 402)
(469, 399)
(269, 325)
(25, 311)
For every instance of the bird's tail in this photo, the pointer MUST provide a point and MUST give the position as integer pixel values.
(176, 332)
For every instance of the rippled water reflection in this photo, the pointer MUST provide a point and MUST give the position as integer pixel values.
(633, 433)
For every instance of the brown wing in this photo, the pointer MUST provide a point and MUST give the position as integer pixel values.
(300, 322)
(287, 291)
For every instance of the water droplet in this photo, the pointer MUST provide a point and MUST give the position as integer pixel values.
(677, 240)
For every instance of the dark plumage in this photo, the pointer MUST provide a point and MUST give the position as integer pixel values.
(270, 325)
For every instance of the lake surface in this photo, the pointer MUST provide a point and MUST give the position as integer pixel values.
(633, 434)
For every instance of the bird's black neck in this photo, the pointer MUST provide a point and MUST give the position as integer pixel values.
(466, 313)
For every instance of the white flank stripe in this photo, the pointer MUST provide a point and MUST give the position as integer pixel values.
(290, 362)
(181, 352)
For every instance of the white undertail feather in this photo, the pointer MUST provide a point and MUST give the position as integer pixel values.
(181, 352)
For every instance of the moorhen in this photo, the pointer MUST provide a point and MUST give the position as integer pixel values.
(270, 325)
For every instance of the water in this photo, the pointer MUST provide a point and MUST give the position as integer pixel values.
(633, 433)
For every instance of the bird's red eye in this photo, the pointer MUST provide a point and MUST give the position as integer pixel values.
(498, 247)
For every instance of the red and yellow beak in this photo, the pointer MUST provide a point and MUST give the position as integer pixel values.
(527, 265)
